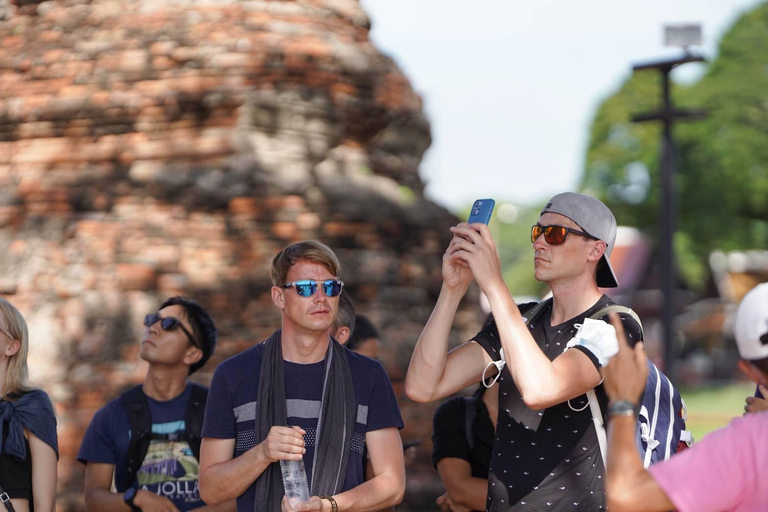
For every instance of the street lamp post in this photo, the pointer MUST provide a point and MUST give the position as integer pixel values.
(668, 115)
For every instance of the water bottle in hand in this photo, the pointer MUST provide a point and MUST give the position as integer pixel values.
(295, 481)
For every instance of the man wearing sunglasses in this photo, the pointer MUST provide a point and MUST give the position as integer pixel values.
(300, 395)
(546, 454)
(147, 440)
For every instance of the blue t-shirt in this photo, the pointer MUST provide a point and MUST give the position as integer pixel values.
(169, 469)
(231, 408)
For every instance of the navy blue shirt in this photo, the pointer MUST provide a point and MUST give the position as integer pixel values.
(169, 469)
(231, 408)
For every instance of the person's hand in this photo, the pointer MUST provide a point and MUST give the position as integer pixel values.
(283, 443)
(474, 246)
(148, 501)
(447, 505)
(625, 374)
(755, 404)
(456, 272)
(314, 504)
(409, 455)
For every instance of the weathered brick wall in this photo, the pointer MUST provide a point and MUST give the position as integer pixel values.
(149, 148)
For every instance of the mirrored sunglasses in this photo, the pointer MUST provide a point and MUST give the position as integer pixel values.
(307, 287)
(555, 235)
(169, 323)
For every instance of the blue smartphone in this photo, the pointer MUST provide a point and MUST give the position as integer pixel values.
(481, 211)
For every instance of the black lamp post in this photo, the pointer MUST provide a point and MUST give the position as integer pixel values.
(668, 115)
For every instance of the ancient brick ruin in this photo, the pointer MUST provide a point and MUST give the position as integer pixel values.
(150, 148)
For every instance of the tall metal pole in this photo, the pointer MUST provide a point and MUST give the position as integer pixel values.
(667, 218)
(667, 224)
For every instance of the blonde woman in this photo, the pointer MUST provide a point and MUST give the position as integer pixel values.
(28, 443)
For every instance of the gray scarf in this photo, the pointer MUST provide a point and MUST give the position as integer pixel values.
(338, 412)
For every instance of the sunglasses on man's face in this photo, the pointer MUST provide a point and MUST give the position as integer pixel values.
(555, 235)
(169, 323)
(307, 287)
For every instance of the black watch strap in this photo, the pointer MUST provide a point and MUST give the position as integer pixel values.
(128, 497)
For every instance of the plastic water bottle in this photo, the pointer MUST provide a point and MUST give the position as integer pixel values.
(295, 481)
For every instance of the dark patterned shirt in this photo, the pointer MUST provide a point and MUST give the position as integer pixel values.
(547, 459)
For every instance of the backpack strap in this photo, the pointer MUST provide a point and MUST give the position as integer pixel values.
(193, 418)
(534, 311)
(135, 403)
(594, 404)
(140, 423)
(616, 308)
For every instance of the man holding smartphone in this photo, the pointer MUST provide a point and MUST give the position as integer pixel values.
(546, 453)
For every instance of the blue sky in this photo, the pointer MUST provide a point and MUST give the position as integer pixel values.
(510, 88)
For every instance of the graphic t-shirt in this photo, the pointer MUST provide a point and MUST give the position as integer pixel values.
(169, 469)
(231, 408)
(547, 459)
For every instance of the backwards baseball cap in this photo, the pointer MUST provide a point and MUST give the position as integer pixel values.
(593, 217)
(751, 326)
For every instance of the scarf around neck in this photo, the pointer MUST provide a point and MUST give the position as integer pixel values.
(338, 412)
(32, 411)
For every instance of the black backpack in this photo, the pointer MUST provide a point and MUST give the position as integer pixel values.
(134, 402)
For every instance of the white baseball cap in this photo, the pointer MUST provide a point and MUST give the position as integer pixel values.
(751, 326)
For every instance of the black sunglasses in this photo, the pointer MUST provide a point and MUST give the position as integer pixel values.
(556, 235)
(307, 287)
(169, 323)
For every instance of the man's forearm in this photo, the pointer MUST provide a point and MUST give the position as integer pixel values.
(227, 506)
(629, 486)
(471, 492)
(103, 500)
(431, 350)
(531, 370)
(378, 493)
(228, 480)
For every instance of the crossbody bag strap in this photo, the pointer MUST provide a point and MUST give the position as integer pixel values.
(6, 500)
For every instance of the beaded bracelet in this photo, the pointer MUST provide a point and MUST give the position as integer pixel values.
(334, 506)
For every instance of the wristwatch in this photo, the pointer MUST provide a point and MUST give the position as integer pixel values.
(128, 497)
(621, 408)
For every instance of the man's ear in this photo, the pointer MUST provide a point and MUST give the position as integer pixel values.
(342, 334)
(277, 297)
(597, 251)
(751, 372)
(193, 355)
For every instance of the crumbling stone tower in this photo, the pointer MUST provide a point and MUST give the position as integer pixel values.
(159, 147)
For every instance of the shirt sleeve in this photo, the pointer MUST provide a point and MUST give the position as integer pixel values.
(98, 443)
(714, 474)
(220, 421)
(449, 438)
(488, 337)
(600, 353)
(383, 411)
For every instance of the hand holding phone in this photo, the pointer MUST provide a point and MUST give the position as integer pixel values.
(481, 211)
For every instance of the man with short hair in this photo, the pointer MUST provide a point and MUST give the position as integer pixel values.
(148, 438)
(344, 324)
(546, 454)
(726, 470)
(365, 338)
(301, 395)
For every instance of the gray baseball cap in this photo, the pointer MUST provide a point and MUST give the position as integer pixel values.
(593, 217)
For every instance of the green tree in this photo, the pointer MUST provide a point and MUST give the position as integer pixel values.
(722, 179)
